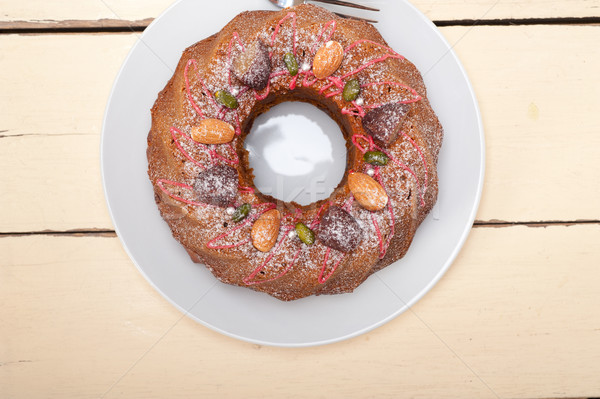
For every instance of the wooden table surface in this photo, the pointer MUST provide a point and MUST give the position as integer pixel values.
(516, 316)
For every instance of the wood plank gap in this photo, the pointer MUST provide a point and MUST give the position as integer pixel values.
(125, 26)
(74, 26)
(520, 21)
(544, 223)
(10, 136)
(112, 233)
(74, 233)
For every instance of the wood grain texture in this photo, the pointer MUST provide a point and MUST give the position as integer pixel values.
(539, 111)
(515, 317)
(58, 84)
(538, 94)
(53, 13)
(67, 196)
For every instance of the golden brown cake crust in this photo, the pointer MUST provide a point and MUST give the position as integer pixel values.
(391, 89)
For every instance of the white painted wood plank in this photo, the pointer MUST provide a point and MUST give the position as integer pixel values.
(131, 10)
(539, 93)
(506, 9)
(515, 316)
(51, 182)
(58, 84)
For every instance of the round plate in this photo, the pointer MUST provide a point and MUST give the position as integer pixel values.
(243, 313)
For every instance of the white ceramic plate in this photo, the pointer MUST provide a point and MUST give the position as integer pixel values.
(256, 317)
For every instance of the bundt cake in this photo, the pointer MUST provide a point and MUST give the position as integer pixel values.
(203, 182)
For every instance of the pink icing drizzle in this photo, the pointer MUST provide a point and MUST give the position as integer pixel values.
(233, 39)
(289, 15)
(175, 133)
(260, 97)
(379, 236)
(424, 165)
(161, 184)
(356, 43)
(317, 219)
(390, 54)
(332, 23)
(246, 190)
(322, 279)
(347, 206)
(358, 110)
(384, 246)
(204, 88)
(249, 280)
(413, 92)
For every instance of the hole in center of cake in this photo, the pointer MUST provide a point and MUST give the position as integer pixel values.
(298, 153)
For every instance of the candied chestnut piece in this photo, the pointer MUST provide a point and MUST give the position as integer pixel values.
(253, 66)
(339, 230)
(217, 185)
(384, 123)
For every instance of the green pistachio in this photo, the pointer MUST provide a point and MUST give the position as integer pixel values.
(225, 98)
(351, 90)
(291, 63)
(241, 213)
(376, 158)
(305, 234)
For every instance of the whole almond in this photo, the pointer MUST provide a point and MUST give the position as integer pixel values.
(213, 131)
(265, 230)
(367, 191)
(328, 59)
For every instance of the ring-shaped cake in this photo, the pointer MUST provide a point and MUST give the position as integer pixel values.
(200, 171)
